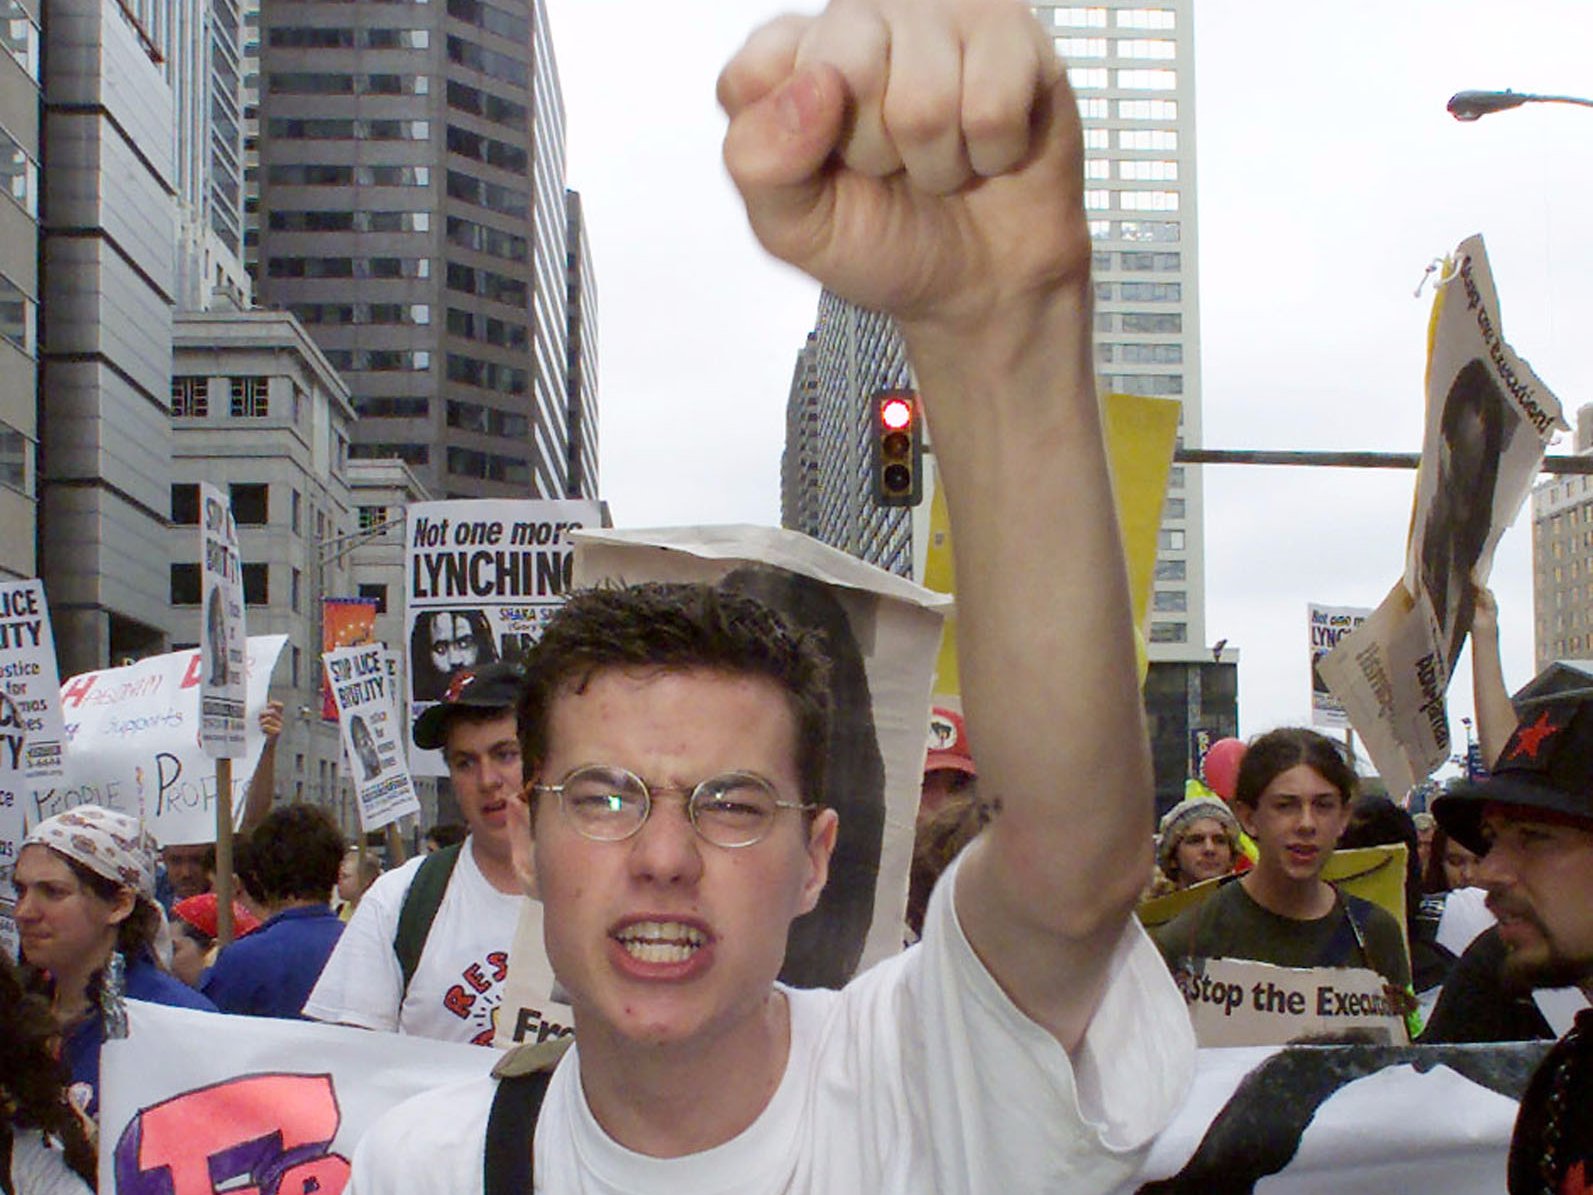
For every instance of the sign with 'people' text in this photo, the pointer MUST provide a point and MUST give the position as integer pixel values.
(362, 688)
(133, 743)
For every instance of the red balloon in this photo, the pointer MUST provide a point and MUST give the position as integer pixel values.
(1221, 766)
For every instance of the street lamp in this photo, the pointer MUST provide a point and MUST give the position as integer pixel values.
(1473, 105)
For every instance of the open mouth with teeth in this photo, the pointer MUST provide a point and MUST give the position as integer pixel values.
(661, 942)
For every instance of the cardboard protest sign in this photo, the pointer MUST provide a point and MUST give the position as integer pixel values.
(195, 1103)
(1325, 626)
(1241, 1002)
(345, 622)
(1488, 420)
(482, 577)
(880, 632)
(534, 1007)
(133, 743)
(32, 736)
(223, 689)
(373, 740)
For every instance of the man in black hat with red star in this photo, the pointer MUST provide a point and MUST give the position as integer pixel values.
(1532, 823)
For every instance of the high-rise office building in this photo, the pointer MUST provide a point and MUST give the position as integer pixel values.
(19, 285)
(412, 213)
(581, 414)
(109, 286)
(1562, 559)
(800, 461)
(1131, 64)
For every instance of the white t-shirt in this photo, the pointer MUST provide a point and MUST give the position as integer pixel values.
(39, 1169)
(920, 1077)
(458, 984)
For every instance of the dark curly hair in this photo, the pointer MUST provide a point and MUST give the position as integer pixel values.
(32, 1080)
(672, 626)
(294, 854)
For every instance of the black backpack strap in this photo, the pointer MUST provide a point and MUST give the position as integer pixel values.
(1347, 947)
(420, 906)
(523, 1076)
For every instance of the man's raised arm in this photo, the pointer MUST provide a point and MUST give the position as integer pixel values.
(924, 158)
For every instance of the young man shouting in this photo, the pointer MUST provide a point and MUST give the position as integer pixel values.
(923, 159)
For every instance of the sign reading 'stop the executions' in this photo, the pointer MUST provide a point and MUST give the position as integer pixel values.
(483, 576)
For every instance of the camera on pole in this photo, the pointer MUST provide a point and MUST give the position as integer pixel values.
(898, 449)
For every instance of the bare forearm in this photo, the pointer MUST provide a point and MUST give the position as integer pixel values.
(1496, 717)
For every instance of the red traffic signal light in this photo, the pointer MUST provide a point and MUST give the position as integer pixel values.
(898, 449)
(896, 412)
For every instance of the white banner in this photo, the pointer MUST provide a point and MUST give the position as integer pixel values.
(373, 741)
(482, 577)
(1240, 1002)
(197, 1103)
(32, 737)
(1325, 626)
(1488, 420)
(133, 743)
(223, 689)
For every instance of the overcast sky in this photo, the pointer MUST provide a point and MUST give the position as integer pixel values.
(1328, 176)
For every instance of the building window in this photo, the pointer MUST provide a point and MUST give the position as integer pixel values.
(296, 663)
(256, 584)
(375, 593)
(251, 503)
(295, 508)
(16, 460)
(16, 315)
(1079, 17)
(185, 585)
(19, 175)
(1173, 601)
(185, 505)
(1169, 632)
(250, 398)
(296, 590)
(1170, 540)
(190, 397)
(1170, 570)
(1087, 78)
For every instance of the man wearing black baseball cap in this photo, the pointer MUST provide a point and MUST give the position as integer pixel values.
(427, 950)
(1532, 823)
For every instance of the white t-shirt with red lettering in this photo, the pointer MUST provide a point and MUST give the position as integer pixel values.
(458, 985)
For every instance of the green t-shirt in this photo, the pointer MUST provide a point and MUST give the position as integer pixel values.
(1230, 924)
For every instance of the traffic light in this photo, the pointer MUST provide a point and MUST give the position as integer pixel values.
(898, 449)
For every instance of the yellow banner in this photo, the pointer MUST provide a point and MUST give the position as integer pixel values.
(1141, 434)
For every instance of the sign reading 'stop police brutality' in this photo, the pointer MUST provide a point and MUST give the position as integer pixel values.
(482, 578)
(367, 710)
(222, 641)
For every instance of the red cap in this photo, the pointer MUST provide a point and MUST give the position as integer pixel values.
(948, 744)
(200, 912)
